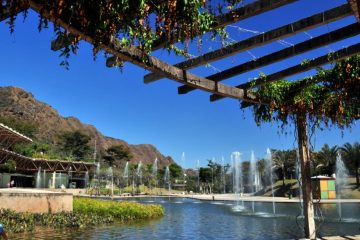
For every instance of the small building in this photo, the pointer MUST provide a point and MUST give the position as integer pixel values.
(323, 187)
(40, 173)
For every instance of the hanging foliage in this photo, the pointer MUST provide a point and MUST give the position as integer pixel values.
(331, 96)
(136, 22)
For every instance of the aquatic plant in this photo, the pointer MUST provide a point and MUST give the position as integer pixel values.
(87, 212)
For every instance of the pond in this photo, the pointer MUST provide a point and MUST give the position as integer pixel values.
(193, 219)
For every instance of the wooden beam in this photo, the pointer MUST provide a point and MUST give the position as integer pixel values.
(249, 10)
(319, 61)
(313, 43)
(222, 20)
(261, 39)
(134, 55)
(355, 7)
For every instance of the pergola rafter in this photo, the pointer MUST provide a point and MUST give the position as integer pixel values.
(222, 20)
(302, 47)
(261, 39)
(28, 164)
(311, 64)
(134, 55)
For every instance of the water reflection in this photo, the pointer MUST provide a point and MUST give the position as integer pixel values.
(192, 219)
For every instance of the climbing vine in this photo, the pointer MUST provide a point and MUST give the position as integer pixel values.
(136, 22)
(331, 96)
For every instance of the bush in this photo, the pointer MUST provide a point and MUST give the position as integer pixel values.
(122, 211)
(87, 212)
(8, 167)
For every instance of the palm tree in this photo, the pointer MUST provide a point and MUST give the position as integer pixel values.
(351, 155)
(284, 161)
(326, 158)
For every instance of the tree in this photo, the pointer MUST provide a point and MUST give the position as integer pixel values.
(117, 153)
(206, 177)
(75, 144)
(26, 128)
(326, 159)
(261, 167)
(175, 171)
(36, 150)
(284, 160)
(328, 98)
(351, 155)
(8, 166)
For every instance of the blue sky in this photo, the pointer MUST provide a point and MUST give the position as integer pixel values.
(120, 105)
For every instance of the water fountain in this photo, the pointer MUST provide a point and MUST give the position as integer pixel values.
(341, 180)
(126, 174)
(198, 174)
(70, 176)
(44, 179)
(98, 173)
(269, 160)
(53, 180)
(257, 184)
(111, 179)
(86, 179)
(182, 166)
(223, 174)
(38, 179)
(139, 173)
(154, 171)
(59, 178)
(167, 179)
(237, 176)
(253, 177)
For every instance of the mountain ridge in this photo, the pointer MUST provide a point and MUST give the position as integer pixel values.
(22, 105)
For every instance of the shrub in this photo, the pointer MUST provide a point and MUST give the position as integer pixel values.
(87, 212)
(122, 211)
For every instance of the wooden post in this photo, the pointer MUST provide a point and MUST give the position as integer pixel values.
(309, 222)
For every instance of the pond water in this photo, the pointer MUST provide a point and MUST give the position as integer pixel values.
(192, 219)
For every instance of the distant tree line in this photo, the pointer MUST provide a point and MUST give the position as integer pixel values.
(216, 178)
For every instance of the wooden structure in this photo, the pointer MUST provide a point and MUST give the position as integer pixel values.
(9, 137)
(179, 73)
(323, 187)
(31, 165)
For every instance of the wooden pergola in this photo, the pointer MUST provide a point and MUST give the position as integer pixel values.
(31, 165)
(9, 137)
(178, 72)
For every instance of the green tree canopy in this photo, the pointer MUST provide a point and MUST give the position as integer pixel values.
(351, 155)
(117, 153)
(175, 171)
(326, 159)
(284, 160)
(330, 97)
(75, 144)
(26, 128)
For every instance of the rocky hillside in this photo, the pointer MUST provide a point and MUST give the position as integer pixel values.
(19, 104)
